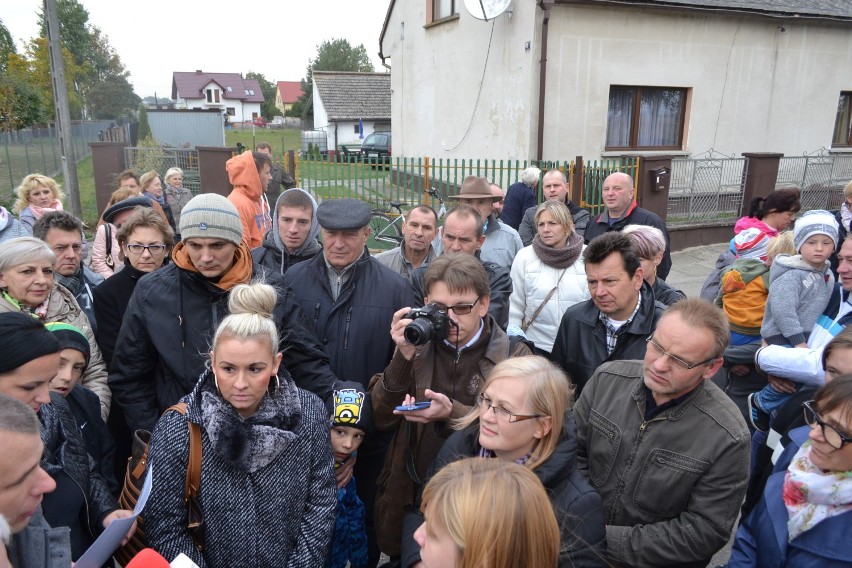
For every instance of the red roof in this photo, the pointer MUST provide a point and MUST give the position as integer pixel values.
(190, 85)
(290, 91)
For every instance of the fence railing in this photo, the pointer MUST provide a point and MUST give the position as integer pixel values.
(36, 150)
(705, 189)
(160, 159)
(821, 176)
(407, 179)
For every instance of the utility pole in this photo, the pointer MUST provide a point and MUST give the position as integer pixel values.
(63, 113)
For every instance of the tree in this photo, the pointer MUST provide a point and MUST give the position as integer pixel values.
(268, 88)
(7, 46)
(332, 55)
(144, 127)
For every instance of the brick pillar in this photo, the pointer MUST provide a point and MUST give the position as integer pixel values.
(211, 169)
(761, 173)
(575, 181)
(107, 161)
(649, 195)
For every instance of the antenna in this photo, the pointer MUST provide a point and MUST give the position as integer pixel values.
(487, 9)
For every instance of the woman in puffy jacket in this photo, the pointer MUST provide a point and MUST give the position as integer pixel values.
(548, 277)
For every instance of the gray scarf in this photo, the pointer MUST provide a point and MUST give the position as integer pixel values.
(559, 257)
(74, 282)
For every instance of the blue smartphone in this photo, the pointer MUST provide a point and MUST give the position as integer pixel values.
(414, 406)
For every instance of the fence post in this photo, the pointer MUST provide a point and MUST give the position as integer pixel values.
(761, 174)
(576, 181)
(650, 196)
(211, 169)
(107, 161)
(425, 198)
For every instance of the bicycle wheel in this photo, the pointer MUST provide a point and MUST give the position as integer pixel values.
(385, 234)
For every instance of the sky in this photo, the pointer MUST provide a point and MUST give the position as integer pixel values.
(156, 37)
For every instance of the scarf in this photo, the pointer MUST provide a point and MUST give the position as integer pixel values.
(39, 312)
(39, 211)
(484, 453)
(811, 495)
(562, 257)
(845, 216)
(161, 200)
(5, 218)
(239, 273)
(73, 282)
(250, 444)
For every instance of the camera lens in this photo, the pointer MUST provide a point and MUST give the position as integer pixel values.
(419, 331)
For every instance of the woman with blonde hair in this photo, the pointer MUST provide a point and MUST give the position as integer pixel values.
(177, 196)
(37, 195)
(266, 462)
(548, 277)
(651, 245)
(487, 514)
(523, 415)
(152, 188)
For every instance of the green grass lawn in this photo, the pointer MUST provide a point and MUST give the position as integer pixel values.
(280, 140)
(86, 181)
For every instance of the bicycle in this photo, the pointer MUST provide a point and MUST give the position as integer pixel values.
(442, 211)
(386, 227)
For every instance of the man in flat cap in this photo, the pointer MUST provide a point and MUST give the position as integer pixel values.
(349, 299)
(502, 242)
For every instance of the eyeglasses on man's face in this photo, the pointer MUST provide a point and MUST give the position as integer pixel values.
(834, 437)
(459, 309)
(657, 350)
(155, 250)
(485, 403)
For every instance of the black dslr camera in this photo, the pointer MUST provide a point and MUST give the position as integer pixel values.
(430, 322)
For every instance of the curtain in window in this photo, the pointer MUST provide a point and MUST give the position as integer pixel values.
(442, 9)
(659, 117)
(843, 122)
(619, 116)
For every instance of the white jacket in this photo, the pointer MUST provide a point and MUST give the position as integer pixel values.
(532, 281)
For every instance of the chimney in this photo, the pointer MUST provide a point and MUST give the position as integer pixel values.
(198, 71)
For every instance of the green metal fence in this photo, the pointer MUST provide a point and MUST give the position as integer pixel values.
(408, 179)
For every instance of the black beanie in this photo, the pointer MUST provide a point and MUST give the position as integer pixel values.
(70, 337)
(350, 405)
(24, 339)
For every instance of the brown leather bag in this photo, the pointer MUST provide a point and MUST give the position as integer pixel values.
(134, 478)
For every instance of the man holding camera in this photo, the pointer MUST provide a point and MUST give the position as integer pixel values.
(443, 353)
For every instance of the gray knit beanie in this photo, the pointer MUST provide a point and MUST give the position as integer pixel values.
(815, 222)
(209, 215)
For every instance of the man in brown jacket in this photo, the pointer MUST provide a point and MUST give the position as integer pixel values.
(447, 371)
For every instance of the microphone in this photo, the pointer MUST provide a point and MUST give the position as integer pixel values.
(148, 558)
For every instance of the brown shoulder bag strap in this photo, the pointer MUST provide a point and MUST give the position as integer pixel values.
(193, 468)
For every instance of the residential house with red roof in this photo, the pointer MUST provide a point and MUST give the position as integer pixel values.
(287, 93)
(238, 98)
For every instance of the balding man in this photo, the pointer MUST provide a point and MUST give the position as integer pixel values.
(554, 187)
(622, 210)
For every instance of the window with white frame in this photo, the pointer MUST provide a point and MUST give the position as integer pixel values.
(843, 121)
(645, 118)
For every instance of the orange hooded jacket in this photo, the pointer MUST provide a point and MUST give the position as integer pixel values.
(247, 196)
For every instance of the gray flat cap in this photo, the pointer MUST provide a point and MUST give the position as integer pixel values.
(343, 214)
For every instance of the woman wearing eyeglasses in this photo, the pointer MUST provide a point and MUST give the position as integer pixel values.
(523, 415)
(805, 516)
(145, 240)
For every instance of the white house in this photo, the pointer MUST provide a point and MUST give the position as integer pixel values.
(554, 79)
(235, 96)
(344, 100)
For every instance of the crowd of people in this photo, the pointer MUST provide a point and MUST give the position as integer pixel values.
(515, 386)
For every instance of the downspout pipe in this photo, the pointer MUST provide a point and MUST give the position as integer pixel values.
(545, 6)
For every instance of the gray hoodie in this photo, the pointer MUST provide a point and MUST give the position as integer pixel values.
(272, 253)
(798, 294)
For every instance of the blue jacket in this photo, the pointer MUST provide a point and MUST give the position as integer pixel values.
(762, 539)
(349, 543)
(519, 198)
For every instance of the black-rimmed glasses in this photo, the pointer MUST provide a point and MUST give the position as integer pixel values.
(155, 250)
(660, 352)
(460, 309)
(485, 403)
(832, 435)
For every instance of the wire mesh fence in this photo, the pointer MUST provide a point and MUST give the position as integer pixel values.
(160, 159)
(706, 189)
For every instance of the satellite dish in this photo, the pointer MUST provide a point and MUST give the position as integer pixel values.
(487, 9)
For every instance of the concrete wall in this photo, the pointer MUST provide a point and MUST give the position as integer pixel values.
(436, 74)
(755, 84)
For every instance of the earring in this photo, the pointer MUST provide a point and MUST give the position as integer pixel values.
(274, 393)
(216, 383)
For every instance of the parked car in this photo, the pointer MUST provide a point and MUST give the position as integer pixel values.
(258, 122)
(376, 148)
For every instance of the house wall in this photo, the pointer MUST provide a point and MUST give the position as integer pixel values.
(753, 86)
(242, 111)
(436, 73)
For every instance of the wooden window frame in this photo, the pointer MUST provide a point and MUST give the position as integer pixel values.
(634, 123)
